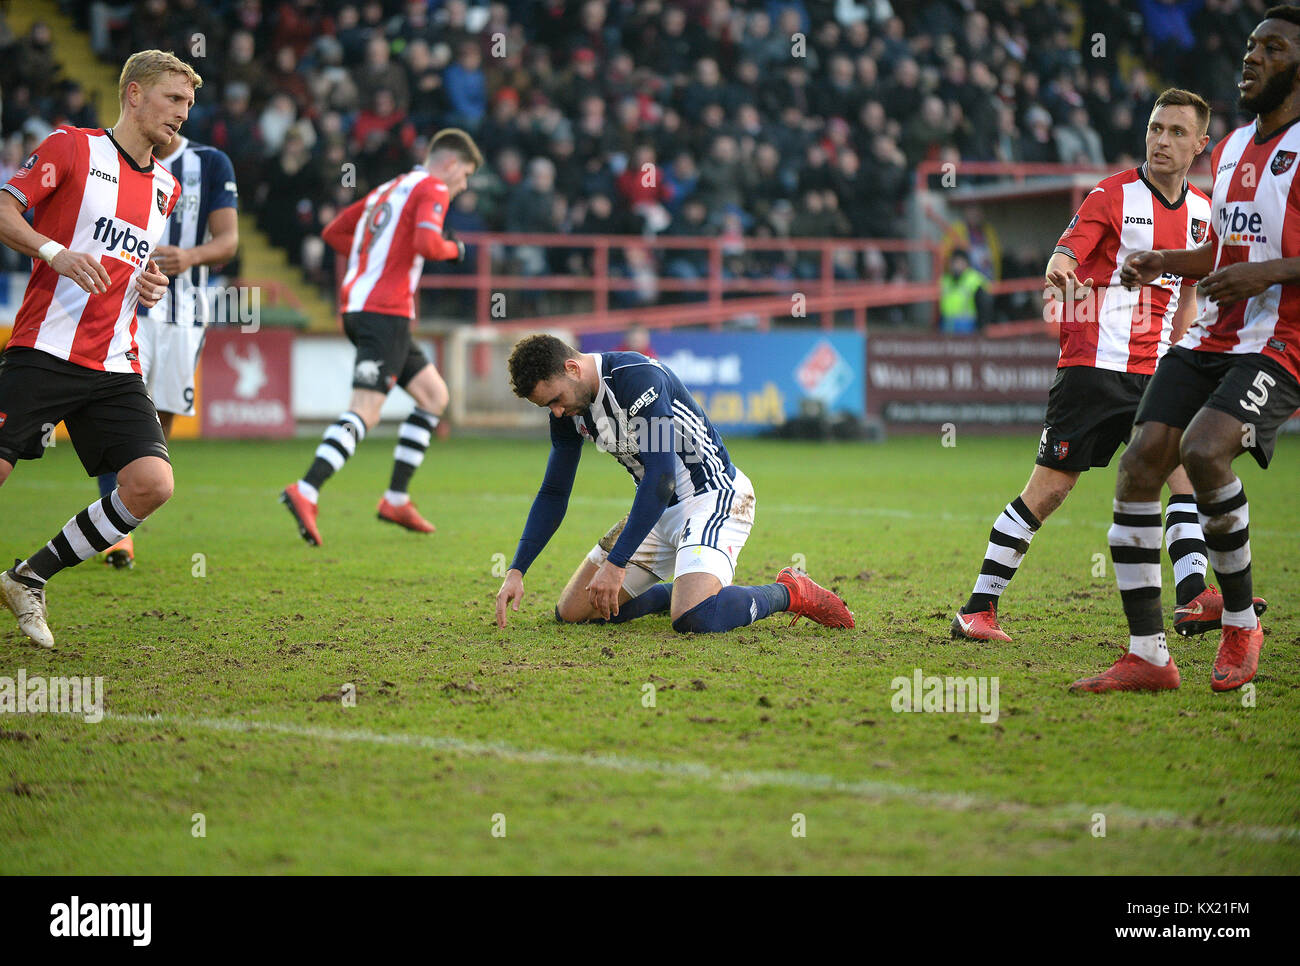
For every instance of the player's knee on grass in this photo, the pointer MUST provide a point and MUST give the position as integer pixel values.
(5, 469)
(700, 619)
(572, 612)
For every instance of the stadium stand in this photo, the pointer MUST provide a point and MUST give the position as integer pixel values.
(771, 118)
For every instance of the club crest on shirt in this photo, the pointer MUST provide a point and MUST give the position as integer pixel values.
(1198, 227)
(162, 202)
(3, 417)
(1061, 449)
(1282, 162)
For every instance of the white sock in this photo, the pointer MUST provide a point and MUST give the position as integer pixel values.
(1151, 648)
(309, 492)
(1240, 618)
(397, 499)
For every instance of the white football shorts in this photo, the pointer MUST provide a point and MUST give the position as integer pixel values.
(701, 534)
(169, 354)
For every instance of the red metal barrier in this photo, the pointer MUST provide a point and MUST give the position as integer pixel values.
(485, 282)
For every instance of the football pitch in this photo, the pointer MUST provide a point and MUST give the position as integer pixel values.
(354, 709)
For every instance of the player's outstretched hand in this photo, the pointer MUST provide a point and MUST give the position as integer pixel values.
(84, 270)
(1140, 268)
(604, 589)
(1066, 285)
(510, 594)
(1233, 283)
(151, 284)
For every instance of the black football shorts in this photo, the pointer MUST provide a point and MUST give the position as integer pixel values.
(1089, 414)
(109, 415)
(1251, 387)
(386, 356)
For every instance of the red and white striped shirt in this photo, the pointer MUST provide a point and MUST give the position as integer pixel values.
(89, 196)
(1117, 328)
(1256, 219)
(388, 234)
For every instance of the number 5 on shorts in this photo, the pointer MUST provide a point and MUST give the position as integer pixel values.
(1257, 395)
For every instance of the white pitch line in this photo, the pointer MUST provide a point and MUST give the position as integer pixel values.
(1069, 813)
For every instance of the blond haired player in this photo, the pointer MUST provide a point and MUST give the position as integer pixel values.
(99, 203)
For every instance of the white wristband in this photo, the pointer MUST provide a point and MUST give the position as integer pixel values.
(49, 250)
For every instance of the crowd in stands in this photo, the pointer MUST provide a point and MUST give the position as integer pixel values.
(777, 118)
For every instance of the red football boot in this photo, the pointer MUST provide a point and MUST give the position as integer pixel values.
(1238, 657)
(304, 512)
(1132, 673)
(121, 554)
(810, 599)
(1204, 612)
(405, 515)
(979, 626)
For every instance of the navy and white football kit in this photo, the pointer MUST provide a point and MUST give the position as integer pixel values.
(693, 509)
(170, 335)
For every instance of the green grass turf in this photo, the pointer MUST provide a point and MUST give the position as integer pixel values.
(456, 722)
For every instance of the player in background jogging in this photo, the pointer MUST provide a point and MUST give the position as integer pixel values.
(387, 235)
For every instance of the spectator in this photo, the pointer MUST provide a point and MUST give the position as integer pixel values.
(287, 79)
(424, 81)
(1039, 147)
(297, 23)
(926, 133)
(276, 119)
(351, 34)
(964, 299)
(383, 137)
(579, 80)
(689, 263)
(682, 177)
(381, 73)
(242, 66)
(234, 130)
(465, 87)
(723, 179)
(645, 191)
(532, 210)
(74, 109)
(1077, 142)
(330, 83)
(975, 236)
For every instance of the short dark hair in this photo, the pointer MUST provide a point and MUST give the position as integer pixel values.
(454, 139)
(1284, 12)
(1177, 97)
(535, 359)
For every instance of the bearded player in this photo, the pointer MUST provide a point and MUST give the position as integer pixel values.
(1229, 383)
(387, 236)
(100, 203)
(1111, 339)
(676, 550)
